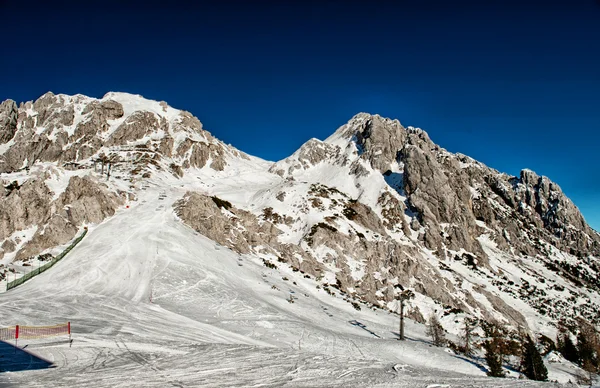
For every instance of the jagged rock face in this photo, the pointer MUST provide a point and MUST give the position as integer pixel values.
(244, 232)
(135, 127)
(23, 206)
(526, 208)
(8, 120)
(77, 129)
(442, 215)
(238, 229)
(87, 201)
(31, 204)
(219, 220)
(437, 190)
(375, 206)
(439, 187)
(557, 213)
(311, 153)
(381, 140)
(57, 231)
(440, 196)
(199, 153)
(84, 201)
(109, 109)
(75, 132)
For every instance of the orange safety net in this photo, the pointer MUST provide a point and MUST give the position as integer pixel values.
(7, 333)
(34, 332)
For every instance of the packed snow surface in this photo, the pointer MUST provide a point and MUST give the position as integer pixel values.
(154, 304)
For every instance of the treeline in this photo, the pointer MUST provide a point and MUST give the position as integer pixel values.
(501, 346)
(586, 352)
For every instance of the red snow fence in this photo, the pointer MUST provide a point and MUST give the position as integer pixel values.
(34, 332)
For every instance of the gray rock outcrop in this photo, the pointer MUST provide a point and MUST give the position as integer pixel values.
(406, 213)
(75, 129)
(31, 204)
(8, 120)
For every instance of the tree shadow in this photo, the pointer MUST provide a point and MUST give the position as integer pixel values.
(14, 359)
(511, 368)
(407, 338)
(472, 362)
(362, 326)
(397, 335)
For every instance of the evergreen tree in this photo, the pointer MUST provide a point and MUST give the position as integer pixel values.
(494, 359)
(467, 335)
(493, 348)
(568, 350)
(560, 341)
(587, 343)
(436, 331)
(532, 363)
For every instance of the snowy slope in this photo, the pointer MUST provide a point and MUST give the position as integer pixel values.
(113, 142)
(154, 304)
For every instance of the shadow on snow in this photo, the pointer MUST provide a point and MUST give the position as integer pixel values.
(362, 326)
(473, 362)
(14, 359)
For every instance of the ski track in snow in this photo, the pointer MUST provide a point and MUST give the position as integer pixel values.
(154, 304)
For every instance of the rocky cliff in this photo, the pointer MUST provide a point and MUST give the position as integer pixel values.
(59, 153)
(73, 129)
(379, 205)
(375, 207)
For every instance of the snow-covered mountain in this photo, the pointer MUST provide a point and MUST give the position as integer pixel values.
(377, 204)
(343, 221)
(49, 148)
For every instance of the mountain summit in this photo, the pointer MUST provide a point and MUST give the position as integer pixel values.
(374, 207)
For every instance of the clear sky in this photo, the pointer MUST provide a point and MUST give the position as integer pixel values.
(512, 84)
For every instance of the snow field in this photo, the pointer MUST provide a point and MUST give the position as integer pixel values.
(152, 303)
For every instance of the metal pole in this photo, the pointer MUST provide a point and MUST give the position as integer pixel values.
(401, 319)
(16, 337)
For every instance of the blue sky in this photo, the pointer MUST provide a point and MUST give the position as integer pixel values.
(512, 84)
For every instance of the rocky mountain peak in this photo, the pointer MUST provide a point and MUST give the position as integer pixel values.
(373, 206)
(70, 160)
(449, 205)
(379, 140)
(76, 129)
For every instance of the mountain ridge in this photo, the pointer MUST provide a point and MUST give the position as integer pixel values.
(374, 205)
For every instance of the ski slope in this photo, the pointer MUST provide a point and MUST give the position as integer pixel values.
(154, 304)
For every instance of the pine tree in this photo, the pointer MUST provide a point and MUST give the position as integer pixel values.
(467, 335)
(560, 341)
(587, 343)
(568, 350)
(532, 362)
(436, 331)
(493, 348)
(494, 345)
(494, 359)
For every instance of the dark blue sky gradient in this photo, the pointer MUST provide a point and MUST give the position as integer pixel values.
(512, 84)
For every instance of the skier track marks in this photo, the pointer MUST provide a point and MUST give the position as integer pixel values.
(138, 358)
(110, 303)
(357, 348)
